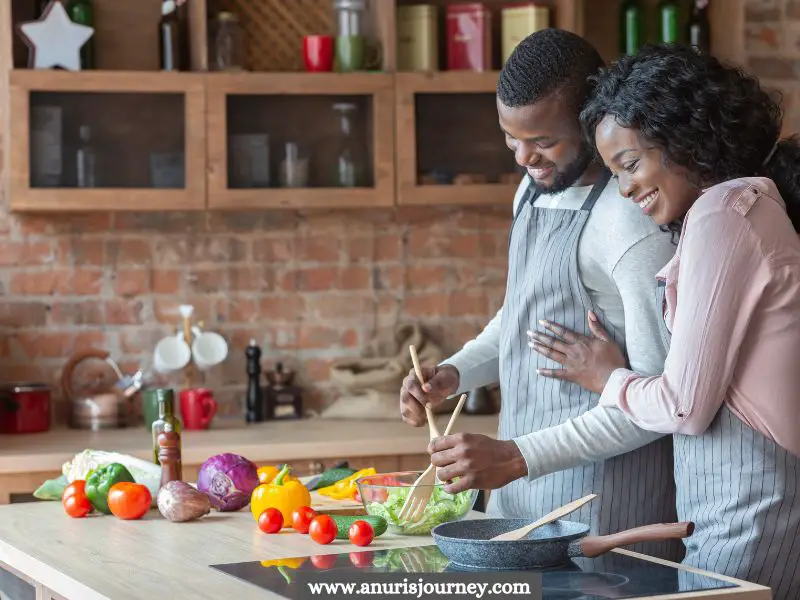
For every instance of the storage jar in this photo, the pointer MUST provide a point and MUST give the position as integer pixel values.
(521, 20)
(469, 37)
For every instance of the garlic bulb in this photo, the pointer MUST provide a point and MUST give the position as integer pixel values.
(178, 501)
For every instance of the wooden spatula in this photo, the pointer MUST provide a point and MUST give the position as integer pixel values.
(518, 534)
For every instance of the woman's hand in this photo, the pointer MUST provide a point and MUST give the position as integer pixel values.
(587, 361)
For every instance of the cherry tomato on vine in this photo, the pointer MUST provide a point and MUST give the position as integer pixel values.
(77, 506)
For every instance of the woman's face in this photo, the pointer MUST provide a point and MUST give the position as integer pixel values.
(662, 191)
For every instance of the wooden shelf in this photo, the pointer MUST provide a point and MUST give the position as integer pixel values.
(445, 82)
(374, 89)
(467, 125)
(463, 195)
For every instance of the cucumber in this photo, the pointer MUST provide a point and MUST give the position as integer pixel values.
(330, 477)
(343, 523)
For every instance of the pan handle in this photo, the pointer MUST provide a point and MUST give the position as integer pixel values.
(600, 544)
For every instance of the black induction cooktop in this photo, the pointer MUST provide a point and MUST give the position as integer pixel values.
(613, 575)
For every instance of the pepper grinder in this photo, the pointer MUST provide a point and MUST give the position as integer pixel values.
(169, 455)
(255, 404)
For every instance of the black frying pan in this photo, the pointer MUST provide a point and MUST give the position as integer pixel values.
(468, 543)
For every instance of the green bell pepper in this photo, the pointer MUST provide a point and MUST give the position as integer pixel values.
(100, 481)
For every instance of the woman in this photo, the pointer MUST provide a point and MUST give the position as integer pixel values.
(695, 145)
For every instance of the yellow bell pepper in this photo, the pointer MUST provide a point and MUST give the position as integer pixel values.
(270, 472)
(346, 489)
(291, 563)
(286, 496)
(284, 564)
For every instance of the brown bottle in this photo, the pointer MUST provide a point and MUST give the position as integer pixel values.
(169, 455)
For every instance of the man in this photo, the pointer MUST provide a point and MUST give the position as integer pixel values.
(575, 246)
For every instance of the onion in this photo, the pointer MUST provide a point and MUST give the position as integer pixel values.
(229, 481)
(178, 501)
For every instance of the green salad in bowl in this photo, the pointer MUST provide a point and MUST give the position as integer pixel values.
(384, 495)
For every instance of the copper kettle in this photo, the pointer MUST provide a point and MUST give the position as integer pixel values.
(104, 398)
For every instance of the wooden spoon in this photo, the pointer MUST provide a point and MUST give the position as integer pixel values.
(518, 534)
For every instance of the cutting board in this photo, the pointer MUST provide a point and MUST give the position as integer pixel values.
(327, 504)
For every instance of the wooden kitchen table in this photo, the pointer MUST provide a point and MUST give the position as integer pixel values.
(309, 445)
(51, 556)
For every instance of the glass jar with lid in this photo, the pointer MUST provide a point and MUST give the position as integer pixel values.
(351, 164)
(350, 17)
(226, 43)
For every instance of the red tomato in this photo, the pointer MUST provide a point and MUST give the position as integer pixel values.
(362, 559)
(323, 529)
(324, 561)
(76, 487)
(128, 500)
(361, 533)
(270, 521)
(76, 503)
(77, 506)
(301, 518)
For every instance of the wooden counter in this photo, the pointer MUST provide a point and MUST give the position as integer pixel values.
(106, 558)
(310, 446)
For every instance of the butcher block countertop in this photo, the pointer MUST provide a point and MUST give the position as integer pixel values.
(263, 442)
(107, 558)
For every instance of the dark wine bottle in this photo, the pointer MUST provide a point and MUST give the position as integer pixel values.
(170, 35)
(699, 29)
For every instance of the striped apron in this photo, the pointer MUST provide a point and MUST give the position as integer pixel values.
(742, 491)
(544, 283)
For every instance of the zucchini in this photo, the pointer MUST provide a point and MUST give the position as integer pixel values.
(343, 523)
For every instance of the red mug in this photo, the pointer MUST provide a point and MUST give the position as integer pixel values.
(198, 407)
(318, 53)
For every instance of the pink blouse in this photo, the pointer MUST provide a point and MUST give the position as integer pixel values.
(733, 307)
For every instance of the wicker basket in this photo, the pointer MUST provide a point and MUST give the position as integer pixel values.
(274, 30)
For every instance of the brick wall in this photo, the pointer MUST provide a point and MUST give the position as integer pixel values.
(310, 290)
(772, 42)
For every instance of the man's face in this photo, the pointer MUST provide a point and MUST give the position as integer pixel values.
(545, 138)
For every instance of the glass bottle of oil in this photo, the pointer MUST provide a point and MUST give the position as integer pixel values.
(166, 415)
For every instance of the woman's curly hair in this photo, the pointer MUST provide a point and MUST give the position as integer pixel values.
(714, 120)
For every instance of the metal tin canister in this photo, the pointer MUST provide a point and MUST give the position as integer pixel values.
(417, 38)
(519, 21)
(469, 37)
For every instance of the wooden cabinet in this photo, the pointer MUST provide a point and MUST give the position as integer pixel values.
(144, 133)
(200, 140)
(257, 122)
(449, 147)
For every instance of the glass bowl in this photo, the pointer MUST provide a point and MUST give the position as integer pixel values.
(384, 494)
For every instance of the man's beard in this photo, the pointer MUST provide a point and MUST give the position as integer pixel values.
(564, 179)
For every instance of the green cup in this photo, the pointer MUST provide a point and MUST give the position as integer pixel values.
(350, 50)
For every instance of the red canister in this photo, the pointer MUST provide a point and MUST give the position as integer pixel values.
(24, 408)
(469, 37)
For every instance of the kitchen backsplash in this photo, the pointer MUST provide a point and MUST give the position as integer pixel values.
(310, 291)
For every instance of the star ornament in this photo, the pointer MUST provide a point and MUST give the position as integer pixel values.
(55, 41)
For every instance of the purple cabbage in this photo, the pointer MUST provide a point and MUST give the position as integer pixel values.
(228, 480)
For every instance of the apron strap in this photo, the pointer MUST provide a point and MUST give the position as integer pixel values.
(530, 195)
(597, 190)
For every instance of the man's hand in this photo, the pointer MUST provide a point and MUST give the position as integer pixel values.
(480, 462)
(440, 384)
